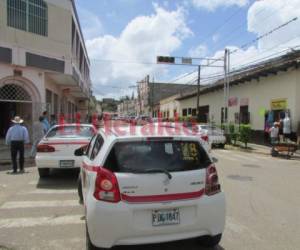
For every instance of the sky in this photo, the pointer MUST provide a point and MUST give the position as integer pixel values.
(124, 37)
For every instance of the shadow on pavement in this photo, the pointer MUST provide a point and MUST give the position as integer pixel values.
(177, 245)
(60, 179)
(7, 165)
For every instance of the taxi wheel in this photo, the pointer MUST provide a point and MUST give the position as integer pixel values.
(89, 244)
(210, 241)
(43, 172)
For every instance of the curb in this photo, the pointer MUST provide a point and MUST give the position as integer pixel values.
(250, 150)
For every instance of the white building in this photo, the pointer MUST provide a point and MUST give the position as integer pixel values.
(43, 60)
(258, 94)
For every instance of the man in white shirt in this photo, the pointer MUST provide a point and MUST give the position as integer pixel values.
(274, 133)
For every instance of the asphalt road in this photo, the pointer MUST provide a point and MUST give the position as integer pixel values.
(263, 207)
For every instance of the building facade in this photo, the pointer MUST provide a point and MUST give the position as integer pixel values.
(151, 93)
(44, 64)
(259, 96)
(128, 107)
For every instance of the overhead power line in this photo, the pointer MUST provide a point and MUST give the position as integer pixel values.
(229, 35)
(265, 35)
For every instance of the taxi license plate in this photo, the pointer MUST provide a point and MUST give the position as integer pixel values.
(66, 163)
(165, 217)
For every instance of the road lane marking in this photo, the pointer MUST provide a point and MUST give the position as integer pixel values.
(40, 221)
(51, 191)
(35, 204)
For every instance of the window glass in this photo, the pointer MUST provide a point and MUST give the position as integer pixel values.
(90, 147)
(71, 132)
(167, 155)
(97, 146)
(28, 15)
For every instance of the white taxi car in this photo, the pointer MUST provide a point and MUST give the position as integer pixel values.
(215, 135)
(56, 149)
(141, 189)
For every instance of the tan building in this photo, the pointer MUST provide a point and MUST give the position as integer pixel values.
(43, 60)
(151, 93)
(128, 107)
(259, 94)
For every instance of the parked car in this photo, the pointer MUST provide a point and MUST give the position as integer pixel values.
(215, 134)
(140, 190)
(56, 149)
(195, 131)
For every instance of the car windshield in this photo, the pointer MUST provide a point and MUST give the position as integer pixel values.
(71, 132)
(161, 155)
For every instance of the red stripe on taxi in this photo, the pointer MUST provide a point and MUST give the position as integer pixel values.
(163, 197)
(90, 168)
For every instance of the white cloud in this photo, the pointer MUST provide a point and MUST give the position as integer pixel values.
(142, 40)
(199, 51)
(91, 24)
(263, 17)
(212, 5)
(272, 16)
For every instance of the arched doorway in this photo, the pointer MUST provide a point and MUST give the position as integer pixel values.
(14, 100)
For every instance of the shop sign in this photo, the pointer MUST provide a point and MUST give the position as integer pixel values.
(244, 102)
(233, 101)
(279, 104)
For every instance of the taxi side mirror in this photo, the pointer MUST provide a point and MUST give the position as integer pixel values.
(214, 159)
(80, 151)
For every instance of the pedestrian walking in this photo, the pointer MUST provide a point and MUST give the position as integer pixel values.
(38, 134)
(45, 121)
(274, 131)
(16, 137)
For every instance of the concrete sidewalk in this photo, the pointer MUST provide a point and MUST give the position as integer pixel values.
(5, 153)
(257, 148)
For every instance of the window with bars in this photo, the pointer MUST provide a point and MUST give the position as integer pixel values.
(28, 15)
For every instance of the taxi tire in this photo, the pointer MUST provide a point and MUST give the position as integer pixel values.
(43, 172)
(89, 244)
(210, 241)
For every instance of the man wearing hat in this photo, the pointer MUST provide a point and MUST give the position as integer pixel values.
(16, 137)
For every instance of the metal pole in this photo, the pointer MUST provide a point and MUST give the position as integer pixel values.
(227, 82)
(198, 93)
(225, 87)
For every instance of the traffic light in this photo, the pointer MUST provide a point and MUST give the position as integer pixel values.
(165, 59)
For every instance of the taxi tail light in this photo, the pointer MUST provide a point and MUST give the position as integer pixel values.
(106, 186)
(204, 138)
(212, 185)
(43, 148)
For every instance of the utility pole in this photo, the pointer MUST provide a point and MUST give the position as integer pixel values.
(198, 92)
(226, 86)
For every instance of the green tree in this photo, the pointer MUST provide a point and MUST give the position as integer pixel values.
(245, 133)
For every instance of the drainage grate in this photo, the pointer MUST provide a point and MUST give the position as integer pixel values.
(251, 166)
(240, 178)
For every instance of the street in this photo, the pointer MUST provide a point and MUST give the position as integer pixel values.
(262, 195)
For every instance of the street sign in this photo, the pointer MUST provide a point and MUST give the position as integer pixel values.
(186, 60)
(165, 59)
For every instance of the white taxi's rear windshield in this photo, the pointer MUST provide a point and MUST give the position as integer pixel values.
(167, 155)
(71, 132)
